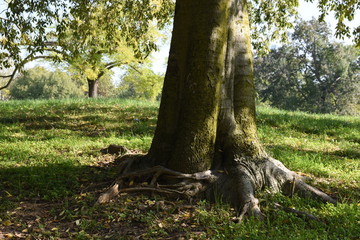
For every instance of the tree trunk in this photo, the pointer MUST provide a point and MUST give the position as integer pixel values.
(93, 88)
(207, 112)
(206, 124)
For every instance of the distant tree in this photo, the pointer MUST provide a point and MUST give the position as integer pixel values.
(91, 36)
(40, 83)
(142, 83)
(311, 73)
(106, 86)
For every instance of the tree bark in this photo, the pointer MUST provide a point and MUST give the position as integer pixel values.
(206, 130)
(207, 111)
(93, 88)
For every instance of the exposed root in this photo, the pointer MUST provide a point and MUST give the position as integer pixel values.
(251, 208)
(235, 185)
(109, 194)
(302, 214)
(188, 185)
(305, 190)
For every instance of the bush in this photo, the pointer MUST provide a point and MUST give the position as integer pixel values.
(40, 83)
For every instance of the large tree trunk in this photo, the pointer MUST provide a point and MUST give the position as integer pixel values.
(207, 112)
(93, 88)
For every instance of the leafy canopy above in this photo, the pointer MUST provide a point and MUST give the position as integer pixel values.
(97, 24)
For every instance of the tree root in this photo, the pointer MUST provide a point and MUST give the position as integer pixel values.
(188, 185)
(301, 214)
(235, 185)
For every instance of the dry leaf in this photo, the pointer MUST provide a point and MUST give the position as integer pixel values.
(7, 223)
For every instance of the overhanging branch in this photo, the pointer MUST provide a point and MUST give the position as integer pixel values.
(29, 58)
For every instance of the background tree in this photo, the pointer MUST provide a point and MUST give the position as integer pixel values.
(311, 73)
(142, 83)
(39, 83)
(102, 34)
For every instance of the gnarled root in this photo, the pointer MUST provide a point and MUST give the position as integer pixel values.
(184, 184)
(247, 175)
(236, 184)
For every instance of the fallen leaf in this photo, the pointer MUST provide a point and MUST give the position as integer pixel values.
(7, 223)
(9, 235)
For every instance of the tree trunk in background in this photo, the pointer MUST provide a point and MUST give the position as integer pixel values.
(93, 88)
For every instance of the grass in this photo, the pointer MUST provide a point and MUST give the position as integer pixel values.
(50, 164)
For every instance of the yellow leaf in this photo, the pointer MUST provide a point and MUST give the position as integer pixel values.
(9, 235)
(7, 223)
(131, 183)
(187, 215)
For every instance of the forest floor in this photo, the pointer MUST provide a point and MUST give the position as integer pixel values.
(52, 172)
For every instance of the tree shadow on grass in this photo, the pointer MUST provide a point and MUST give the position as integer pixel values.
(58, 201)
(89, 125)
(51, 182)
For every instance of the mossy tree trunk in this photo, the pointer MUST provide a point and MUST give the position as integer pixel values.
(207, 112)
(206, 130)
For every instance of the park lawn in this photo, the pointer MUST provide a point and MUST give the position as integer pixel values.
(52, 172)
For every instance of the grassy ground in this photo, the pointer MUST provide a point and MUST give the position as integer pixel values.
(51, 173)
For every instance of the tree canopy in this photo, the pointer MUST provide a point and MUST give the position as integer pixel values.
(92, 36)
(142, 83)
(310, 73)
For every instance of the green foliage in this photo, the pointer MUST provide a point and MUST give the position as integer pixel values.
(141, 83)
(92, 25)
(311, 73)
(50, 165)
(39, 83)
(271, 20)
(92, 37)
(106, 87)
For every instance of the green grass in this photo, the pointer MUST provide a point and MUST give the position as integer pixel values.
(49, 157)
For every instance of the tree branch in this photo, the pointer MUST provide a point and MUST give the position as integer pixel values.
(28, 59)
